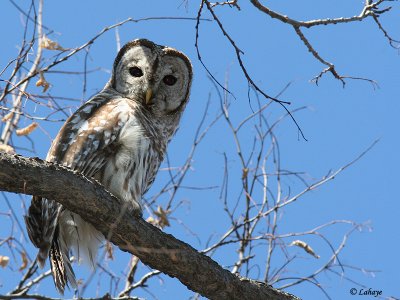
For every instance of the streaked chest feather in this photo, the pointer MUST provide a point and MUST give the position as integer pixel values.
(125, 174)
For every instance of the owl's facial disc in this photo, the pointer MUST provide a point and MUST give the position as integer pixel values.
(158, 77)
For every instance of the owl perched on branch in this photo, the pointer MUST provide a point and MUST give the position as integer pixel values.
(118, 137)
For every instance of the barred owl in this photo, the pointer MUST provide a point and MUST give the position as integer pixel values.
(118, 137)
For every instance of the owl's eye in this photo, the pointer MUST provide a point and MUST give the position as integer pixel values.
(170, 80)
(135, 72)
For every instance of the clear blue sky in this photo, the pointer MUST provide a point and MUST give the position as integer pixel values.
(339, 123)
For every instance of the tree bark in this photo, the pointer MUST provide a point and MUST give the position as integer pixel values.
(131, 233)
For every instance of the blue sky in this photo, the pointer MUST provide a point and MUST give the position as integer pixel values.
(339, 123)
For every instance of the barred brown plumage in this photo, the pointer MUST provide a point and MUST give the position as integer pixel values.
(118, 137)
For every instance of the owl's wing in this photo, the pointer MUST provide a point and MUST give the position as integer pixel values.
(87, 138)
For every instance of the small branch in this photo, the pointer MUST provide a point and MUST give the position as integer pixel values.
(317, 184)
(13, 122)
(330, 68)
(369, 9)
(139, 283)
(232, 3)
(394, 43)
(239, 54)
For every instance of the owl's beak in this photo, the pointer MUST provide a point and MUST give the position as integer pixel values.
(149, 94)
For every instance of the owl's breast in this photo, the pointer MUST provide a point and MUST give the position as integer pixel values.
(126, 173)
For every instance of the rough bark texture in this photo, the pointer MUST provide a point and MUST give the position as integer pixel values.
(155, 248)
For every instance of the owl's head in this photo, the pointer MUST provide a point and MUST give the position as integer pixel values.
(157, 76)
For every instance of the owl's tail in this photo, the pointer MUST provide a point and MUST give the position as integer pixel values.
(42, 226)
(61, 268)
(41, 223)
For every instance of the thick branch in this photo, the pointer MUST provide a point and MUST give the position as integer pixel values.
(155, 248)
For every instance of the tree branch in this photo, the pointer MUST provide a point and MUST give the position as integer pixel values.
(369, 9)
(155, 248)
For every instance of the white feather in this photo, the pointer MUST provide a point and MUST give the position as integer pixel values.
(133, 144)
(80, 236)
